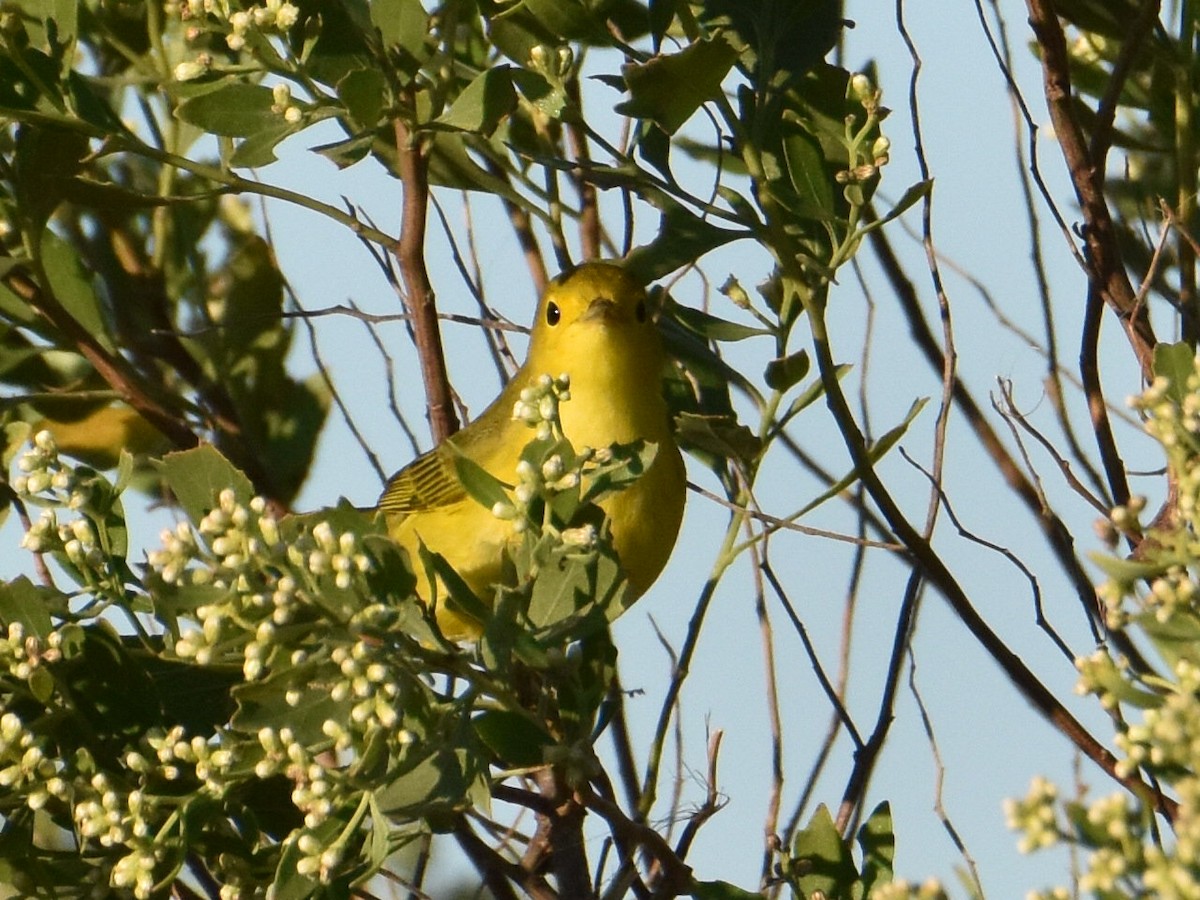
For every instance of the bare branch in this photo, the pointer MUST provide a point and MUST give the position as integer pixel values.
(419, 299)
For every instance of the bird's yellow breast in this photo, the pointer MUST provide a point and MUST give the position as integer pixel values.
(592, 326)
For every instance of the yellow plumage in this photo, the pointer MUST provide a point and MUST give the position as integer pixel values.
(592, 324)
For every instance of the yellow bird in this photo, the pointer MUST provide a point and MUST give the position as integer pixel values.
(593, 325)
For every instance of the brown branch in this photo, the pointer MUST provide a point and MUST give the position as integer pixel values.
(1106, 271)
(676, 878)
(496, 871)
(112, 368)
(413, 165)
(627, 876)
(563, 827)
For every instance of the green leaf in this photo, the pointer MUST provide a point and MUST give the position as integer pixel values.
(485, 488)
(32, 605)
(550, 99)
(461, 599)
(787, 37)
(911, 196)
(712, 328)
(877, 840)
(236, 109)
(262, 704)
(513, 737)
(562, 586)
(669, 89)
(822, 859)
(1126, 571)
(808, 173)
(1176, 639)
(570, 20)
(811, 394)
(483, 103)
(875, 453)
(344, 154)
(781, 374)
(293, 427)
(363, 93)
(91, 103)
(662, 13)
(720, 435)
(45, 162)
(402, 23)
(1176, 363)
(63, 13)
(683, 237)
(196, 477)
(73, 286)
(441, 779)
(258, 150)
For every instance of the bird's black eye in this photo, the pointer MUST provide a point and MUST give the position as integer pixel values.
(553, 313)
(641, 311)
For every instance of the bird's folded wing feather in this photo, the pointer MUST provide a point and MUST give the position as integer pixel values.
(426, 483)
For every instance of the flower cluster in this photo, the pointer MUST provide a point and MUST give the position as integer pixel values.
(26, 766)
(271, 17)
(44, 473)
(368, 677)
(865, 160)
(538, 405)
(262, 580)
(22, 654)
(1036, 816)
(51, 482)
(281, 94)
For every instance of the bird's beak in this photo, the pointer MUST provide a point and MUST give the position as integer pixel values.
(603, 309)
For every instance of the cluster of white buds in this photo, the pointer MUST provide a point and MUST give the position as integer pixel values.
(274, 16)
(22, 653)
(316, 859)
(207, 759)
(538, 404)
(26, 767)
(532, 483)
(368, 678)
(43, 472)
(239, 548)
(282, 104)
(1036, 817)
(334, 553)
(313, 785)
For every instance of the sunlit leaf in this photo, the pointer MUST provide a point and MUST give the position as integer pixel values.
(1176, 363)
(821, 858)
(236, 109)
(669, 89)
(483, 103)
(197, 477)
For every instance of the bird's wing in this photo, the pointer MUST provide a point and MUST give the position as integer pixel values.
(426, 483)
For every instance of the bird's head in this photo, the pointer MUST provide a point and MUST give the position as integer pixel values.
(590, 295)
